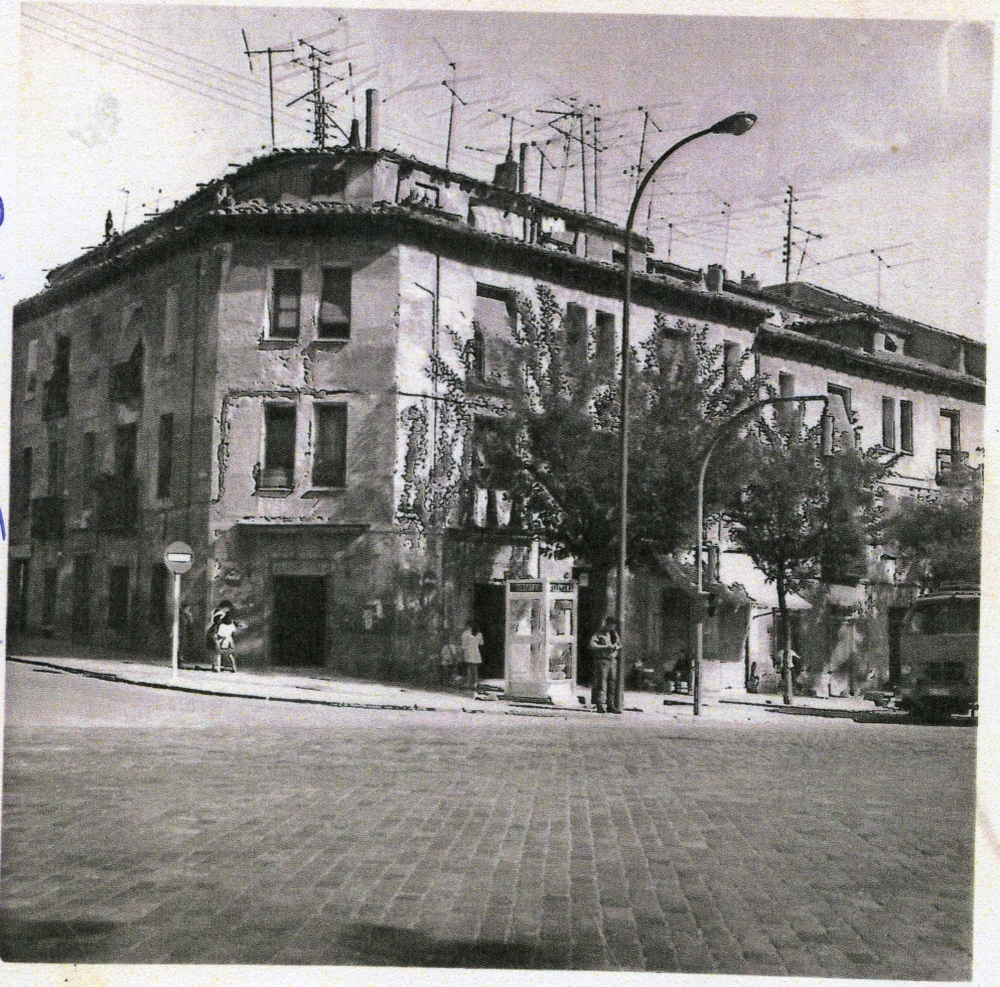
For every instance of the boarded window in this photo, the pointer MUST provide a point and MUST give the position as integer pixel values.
(335, 304)
(164, 460)
(330, 445)
(279, 446)
(286, 301)
(889, 423)
(906, 426)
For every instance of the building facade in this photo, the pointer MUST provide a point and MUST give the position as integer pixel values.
(243, 371)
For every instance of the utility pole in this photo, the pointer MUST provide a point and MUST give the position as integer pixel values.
(315, 61)
(787, 254)
(270, 52)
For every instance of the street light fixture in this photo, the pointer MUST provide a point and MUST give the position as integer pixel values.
(735, 125)
(826, 449)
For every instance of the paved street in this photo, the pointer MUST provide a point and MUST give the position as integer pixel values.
(156, 827)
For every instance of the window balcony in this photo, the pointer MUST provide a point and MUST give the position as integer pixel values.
(116, 504)
(47, 517)
(953, 469)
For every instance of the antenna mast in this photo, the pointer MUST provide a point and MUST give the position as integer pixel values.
(270, 52)
(315, 61)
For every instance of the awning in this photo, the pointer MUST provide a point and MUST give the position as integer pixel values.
(738, 570)
(683, 577)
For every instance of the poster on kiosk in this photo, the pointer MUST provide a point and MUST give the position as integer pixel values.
(540, 640)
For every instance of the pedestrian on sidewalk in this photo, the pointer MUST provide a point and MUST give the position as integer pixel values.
(221, 636)
(605, 646)
(187, 643)
(472, 641)
(449, 659)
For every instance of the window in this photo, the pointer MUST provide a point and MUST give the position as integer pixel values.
(164, 460)
(840, 409)
(160, 602)
(575, 325)
(285, 304)
(279, 447)
(604, 344)
(494, 315)
(494, 472)
(906, 426)
(50, 596)
(171, 313)
(32, 372)
(57, 463)
(954, 422)
(118, 597)
(889, 423)
(330, 446)
(125, 451)
(335, 304)
(731, 358)
(787, 414)
(26, 479)
(57, 386)
(328, 181)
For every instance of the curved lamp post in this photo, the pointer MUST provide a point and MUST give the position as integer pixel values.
(736, 125)
(737, 418)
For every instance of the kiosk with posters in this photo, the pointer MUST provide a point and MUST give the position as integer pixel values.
(540, 639)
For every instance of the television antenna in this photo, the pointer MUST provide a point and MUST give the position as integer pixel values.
(270, 52)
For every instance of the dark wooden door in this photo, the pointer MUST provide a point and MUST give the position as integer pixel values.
(298, 622)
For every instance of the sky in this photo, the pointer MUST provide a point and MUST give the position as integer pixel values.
(881, 127)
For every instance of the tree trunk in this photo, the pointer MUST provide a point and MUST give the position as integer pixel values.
(786, 631)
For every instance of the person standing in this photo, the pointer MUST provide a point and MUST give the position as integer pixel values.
(605, 645)
(472, 641)
(222, 631)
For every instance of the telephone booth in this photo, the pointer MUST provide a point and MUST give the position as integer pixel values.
(540, 639)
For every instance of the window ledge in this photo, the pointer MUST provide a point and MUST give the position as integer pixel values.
(324, 491)
(273, 492)
(276, 344)
(329, 345)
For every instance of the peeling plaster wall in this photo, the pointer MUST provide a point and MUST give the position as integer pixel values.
(104, 328)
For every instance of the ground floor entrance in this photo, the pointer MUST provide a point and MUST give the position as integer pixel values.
(298, 626)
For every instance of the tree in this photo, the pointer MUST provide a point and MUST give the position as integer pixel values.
(940, 539)
(802, 516)
(553, 438)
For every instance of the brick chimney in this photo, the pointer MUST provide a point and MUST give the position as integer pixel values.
(715, 278)
(507, 174)
(749, 281)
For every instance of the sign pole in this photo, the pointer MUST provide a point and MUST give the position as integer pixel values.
(178, 558)
(175, 659)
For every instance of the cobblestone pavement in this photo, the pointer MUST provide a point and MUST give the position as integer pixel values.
(148, 827)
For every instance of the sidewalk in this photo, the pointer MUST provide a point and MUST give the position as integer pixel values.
(319, 687)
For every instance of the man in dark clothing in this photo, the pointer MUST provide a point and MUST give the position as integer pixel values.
(604, 647)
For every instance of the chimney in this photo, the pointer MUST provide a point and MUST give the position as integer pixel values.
(715, 278)
(749, 281)
(355, 139)
(507, 174)
(371, 119)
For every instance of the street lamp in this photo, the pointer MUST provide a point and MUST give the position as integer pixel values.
(736, 125)
(826, 449)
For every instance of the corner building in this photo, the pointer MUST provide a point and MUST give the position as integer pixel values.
(239, 373)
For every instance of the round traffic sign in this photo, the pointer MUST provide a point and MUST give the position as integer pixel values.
(178, 557)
